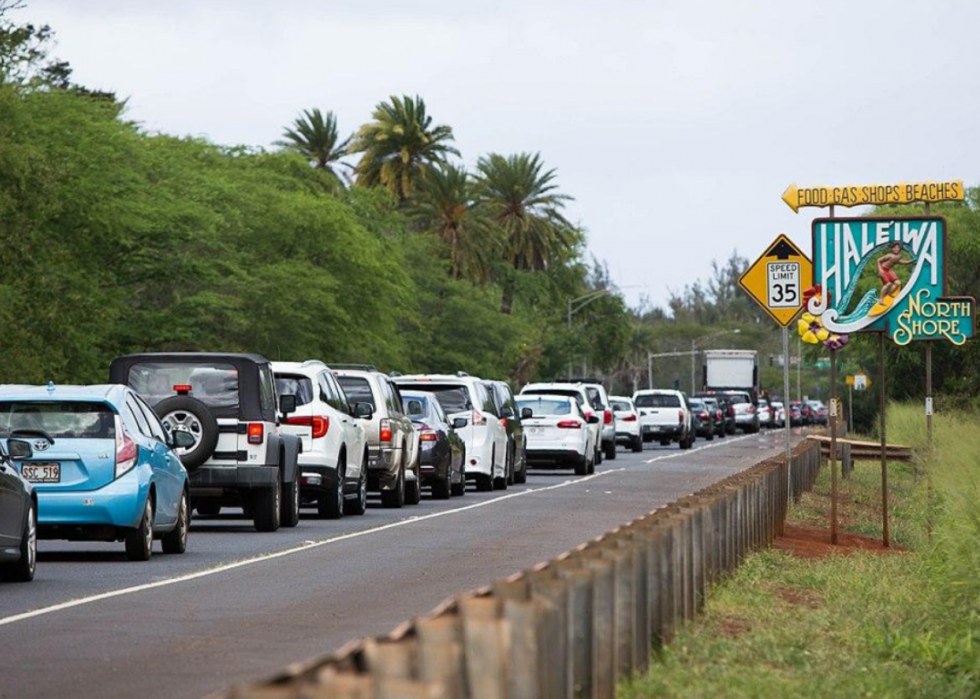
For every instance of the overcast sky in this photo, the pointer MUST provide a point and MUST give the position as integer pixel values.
(675, 125)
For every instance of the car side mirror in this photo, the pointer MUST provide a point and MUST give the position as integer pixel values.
(180, 438)
(506, 412)
(459, 423)
(287, 404)
(363, 411)
(593, 419)
(19, 449)
(526, 413)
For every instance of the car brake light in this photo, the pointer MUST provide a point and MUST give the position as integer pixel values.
(703, 416)
(256, 432)
(680, 416)
(319, 423)
(182, 388)
(608, 417)
(570, 425)
(384, 433)
(503, 422)
(750, 410)
(126, 450)
(428, 436)
(630, 418)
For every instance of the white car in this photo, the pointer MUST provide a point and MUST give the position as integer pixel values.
(778, 414)
(465, 396)
(627, 422)
(580, 393)
(765, 413)
(332, 463)
(665, 416)
(558, 432)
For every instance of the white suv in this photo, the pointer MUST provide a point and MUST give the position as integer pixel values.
(581, 395)
(465, 396)
(332, 465)
(665, 416)
(393, 466)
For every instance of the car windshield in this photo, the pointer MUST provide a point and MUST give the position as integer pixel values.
(452, 397)
(60, 420)
(299, 386)
(621, 406)
(542, 407)
(658, 400)
(215, 385)
(358, 390)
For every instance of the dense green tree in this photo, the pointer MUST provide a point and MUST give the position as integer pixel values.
(315, 136)
(399, 145)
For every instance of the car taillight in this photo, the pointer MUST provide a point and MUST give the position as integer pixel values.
(731, 411)
(478, 418)
(630, 418)
(608, 417)
(319, 423)
(680, 416)
(718, 415)
(570, 425)
(750, 410)
(703, 416)
(126, 450)
(256, 432)
(428, 436)
(384, 433)
(503, 422)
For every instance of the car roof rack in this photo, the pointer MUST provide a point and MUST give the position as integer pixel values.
(577, 379)
(461, 374)
(359, 367)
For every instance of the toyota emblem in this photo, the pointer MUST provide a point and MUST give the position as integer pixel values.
(41, 445)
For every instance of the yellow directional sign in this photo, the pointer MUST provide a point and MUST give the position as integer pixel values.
(777, 279)
(873, 194)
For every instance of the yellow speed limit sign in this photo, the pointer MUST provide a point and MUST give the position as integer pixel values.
(777, 279)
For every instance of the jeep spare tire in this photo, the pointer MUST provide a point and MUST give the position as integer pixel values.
(184, 411)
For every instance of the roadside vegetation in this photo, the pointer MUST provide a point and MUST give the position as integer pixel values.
(898, 624)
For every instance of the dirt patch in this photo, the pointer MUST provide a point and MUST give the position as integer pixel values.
(811, 542)
(733, 627)
(799, 597)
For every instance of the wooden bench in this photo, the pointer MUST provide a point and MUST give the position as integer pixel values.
(863, 451)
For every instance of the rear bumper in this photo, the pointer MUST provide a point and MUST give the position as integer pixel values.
(663, 431)
(536, 456)
(213, 480)
(117, 504)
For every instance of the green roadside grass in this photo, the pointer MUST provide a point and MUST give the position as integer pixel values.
(866, 624)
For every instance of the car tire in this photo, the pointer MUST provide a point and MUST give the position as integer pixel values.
(22, 570)
(175, 541)
(139, 541)
(442, 488)
(687, 443)
(484, 483)
(395, 498)
(499, 483)
(267, 508)
(289, 517)
(208, 508)
(582, 466)
(521, 476)
(330, 502)
(413, 489)
(597, 459)
(637, 444)
(609, 450)
(197, 417)
(511, 467)
(711, 436)
(358, 506)
(459, 489)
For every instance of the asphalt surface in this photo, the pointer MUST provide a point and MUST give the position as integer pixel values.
(241, 605)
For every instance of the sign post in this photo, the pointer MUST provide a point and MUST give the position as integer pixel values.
(776, 281)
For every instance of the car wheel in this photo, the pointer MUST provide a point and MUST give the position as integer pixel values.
(637, 444)
(583, 466)
(395, 498)
(484, 483)
(330, 502)
(290, 504)
(193, 415)
(139, 541)
(597, 459)
(499, 483)
(442, 488)
(521, 477)
(687, 443)
(459, 489)
(610, 450)
(22, 570)
(175, 541)
(358, 506)
(711, 435)
(268, 508)
(413, 489)
(208, 508)
(511, 467)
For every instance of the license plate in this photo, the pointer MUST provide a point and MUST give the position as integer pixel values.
(535, 430)
(41, 473)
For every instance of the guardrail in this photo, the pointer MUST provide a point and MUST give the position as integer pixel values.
(572, 626)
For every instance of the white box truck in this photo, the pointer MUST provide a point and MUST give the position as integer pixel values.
(736, 373)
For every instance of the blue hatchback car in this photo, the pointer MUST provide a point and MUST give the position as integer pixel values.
(102, 465)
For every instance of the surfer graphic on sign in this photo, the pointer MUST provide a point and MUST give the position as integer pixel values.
(892, 285)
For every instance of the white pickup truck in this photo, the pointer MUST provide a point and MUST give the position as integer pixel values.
(665, 417)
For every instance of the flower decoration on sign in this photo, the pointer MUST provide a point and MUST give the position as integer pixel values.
(811, 329)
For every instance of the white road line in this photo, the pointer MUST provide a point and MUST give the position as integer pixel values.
(722, 443)
(306, 546)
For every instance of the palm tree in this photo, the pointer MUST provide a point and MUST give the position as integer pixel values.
(400, 145)
(521, 197)
(314, 135)
(444, 203)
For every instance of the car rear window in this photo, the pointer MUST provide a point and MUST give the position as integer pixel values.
(696, 404)
(452, 397)
(214, 384)
(738, 398)
(658, 400)
(541, 407)
(414, 406)
(571, 393)
(620, 406)
(358, 390)
(67, 420)
(299, 386)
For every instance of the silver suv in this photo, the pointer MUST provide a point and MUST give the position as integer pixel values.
(393, 444)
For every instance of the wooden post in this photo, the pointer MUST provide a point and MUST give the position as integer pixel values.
(882, 404)
(833, 446)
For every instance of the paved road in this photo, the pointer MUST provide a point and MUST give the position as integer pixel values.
(240, 605)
